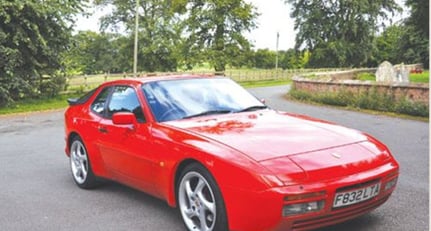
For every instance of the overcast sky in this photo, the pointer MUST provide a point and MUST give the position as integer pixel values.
(274, 17)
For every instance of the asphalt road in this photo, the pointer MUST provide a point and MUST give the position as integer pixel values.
(37, 191)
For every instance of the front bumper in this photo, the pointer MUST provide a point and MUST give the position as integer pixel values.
(263, 210)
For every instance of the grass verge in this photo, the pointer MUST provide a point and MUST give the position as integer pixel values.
(368, 111)
(371, 100)
(263, 83)
(41, 104)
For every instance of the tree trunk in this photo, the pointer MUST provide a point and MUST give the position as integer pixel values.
(219, 59)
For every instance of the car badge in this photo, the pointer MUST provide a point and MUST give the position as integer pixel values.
(336, 155)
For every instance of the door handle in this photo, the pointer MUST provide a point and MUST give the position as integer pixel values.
(103, 129)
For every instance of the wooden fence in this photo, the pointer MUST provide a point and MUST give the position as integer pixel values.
(87, 82)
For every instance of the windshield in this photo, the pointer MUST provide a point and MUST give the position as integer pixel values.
(186, 98)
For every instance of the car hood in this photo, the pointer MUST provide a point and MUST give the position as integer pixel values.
(267, 134)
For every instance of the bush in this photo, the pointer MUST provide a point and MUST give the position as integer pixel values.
(371, 99)
(300, 95)
(374, 100)
(4, 97)
(52, 86)
(406, 106)
(17, 89)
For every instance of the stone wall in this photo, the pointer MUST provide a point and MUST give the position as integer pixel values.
(342, 75)
(414, 92)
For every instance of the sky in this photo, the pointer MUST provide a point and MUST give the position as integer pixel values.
(274, 17)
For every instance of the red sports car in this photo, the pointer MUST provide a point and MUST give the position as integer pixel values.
(222, 157)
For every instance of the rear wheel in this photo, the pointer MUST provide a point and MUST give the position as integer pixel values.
(80, 165)
(199, 200)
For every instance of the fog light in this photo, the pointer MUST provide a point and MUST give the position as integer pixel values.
(390, 184)
(302, 208)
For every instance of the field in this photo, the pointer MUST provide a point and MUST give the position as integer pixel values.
(247, 76)
(414, 77)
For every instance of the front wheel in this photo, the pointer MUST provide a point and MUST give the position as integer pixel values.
(200, 201)
(80, 165)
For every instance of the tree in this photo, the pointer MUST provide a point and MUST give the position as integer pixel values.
(293, 59)
(33, 34)
(408, 41)
(214, 28)
(419, 16)
(92, 53)
(339, 33)
(180, 33)
(159, 31)
(414, 45)
(264, 58)
(388, 45)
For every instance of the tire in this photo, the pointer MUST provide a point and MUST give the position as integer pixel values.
(80, 165)
(199, 200)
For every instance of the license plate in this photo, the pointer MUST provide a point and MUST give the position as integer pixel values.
(355, 196)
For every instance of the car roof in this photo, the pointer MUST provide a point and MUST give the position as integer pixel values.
(147, 79)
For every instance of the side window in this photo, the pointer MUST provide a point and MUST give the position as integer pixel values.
(99, 104)
(124, 99)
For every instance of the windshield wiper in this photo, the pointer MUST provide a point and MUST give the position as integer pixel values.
(253, 108)
(209, 112)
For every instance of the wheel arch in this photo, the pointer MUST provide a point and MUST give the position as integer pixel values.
(93, 154)
(172, 200)
(69, 139)
(221, 223)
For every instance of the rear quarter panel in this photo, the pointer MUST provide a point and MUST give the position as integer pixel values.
(79, 120)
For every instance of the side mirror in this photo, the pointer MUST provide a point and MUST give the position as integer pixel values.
(124, 118)
(263, 101)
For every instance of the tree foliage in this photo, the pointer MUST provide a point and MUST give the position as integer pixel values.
(414, 44)
(159, 31)
(264, 58)
(339, 33)
(388, 46)
(32, 36)
(92, 53)
(408, 40)
(214, 29)
(178, 33)
(293, 59)
(419, 16)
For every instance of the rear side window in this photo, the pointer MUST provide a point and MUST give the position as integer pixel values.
(83, 99)
(99, 104)
(125, 99)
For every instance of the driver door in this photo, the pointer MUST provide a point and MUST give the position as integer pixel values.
(126, 149)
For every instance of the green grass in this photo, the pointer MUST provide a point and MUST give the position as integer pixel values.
(420, 78)
(414, 78)
(263, 83)
(366, 77)
(42, 104)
